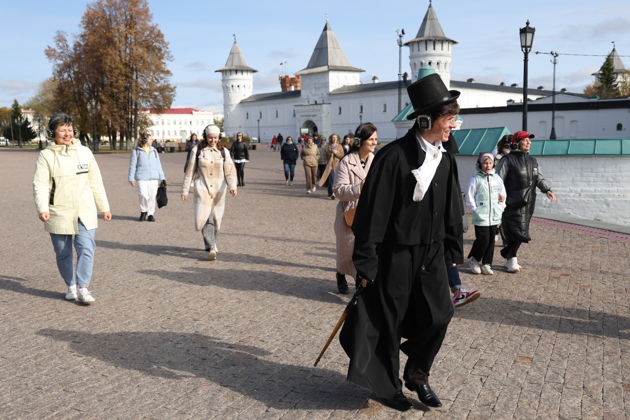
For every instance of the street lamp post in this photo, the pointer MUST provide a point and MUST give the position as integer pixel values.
(527, 39)
(554, 60)
(258, 122)
(400, 33)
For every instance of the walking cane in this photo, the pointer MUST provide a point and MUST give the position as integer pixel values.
(342, 318)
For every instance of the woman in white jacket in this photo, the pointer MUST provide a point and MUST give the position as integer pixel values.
(68, 190)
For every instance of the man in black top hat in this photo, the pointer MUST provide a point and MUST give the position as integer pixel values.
(409, 211)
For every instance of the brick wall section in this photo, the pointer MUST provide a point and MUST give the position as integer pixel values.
(588, 187)
(288, 83)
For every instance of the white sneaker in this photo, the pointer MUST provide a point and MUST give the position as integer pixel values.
(309, 191)
(473, 265)
(314, 188)
(72, 292)
(287, 183)
(512, 266)
(486, 269)
(85, 296)
(212, 255)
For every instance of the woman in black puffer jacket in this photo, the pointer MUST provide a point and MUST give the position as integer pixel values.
(521, 175)
(240, 155)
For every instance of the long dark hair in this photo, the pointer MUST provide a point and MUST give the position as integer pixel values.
(362, 133)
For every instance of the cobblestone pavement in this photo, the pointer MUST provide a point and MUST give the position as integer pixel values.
(173, 335)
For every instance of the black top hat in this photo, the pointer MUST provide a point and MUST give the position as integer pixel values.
(427, 93)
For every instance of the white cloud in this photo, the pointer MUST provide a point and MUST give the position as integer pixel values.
(210, 84)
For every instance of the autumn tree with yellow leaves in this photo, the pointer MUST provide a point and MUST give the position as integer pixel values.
(115, 68)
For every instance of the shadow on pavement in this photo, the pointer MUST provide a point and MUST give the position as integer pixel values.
(237, 367)
(161, 250)
(547, 317)
(14, 284)
(266, 281)
(279, 239)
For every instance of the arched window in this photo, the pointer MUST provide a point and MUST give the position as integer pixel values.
(260, 114)
(619, 126)
(339, 112)
(426, 45)
(360, 109)
(247, 115)
(385, 107)
(276, 113)
(433, 45)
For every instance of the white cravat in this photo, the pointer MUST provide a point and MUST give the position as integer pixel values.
(425, 173)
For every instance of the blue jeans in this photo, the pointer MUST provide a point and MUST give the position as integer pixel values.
(289, 171)
(453, 276)
(331, 181)
(85, 245)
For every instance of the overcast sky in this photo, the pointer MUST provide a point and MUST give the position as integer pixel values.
(272, 32)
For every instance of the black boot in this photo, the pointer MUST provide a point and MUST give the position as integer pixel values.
(417, 380)
(342, 284)
(397, 402)
(143, 216)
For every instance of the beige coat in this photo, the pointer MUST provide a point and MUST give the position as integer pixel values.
(68, 186)
(349, 177)
(212, 176)
(310, 155)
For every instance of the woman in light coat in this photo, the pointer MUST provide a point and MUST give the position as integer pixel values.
(212, 173)
(145, 173)
(350, 174)
(310, 156)
(68, 190)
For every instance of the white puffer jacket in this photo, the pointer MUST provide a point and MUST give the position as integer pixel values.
(68, 185)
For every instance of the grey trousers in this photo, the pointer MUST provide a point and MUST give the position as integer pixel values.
(210, 234)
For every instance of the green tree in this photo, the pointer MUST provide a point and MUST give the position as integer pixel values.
(43, 106)
(608, 79)
(19, 127)
(219, 123)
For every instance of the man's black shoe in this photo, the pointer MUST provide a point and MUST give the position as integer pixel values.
(151, 218)
(425, 394)
(342, 284)
(397, 402)
(143, 216)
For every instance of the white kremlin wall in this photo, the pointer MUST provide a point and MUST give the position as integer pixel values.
(593, 188)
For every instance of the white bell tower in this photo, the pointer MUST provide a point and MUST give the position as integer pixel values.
(431, 47)
(237, 80)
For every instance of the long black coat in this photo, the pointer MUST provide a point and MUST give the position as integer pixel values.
(521, 175)
(400, 245)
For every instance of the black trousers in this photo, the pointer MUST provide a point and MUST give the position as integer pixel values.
(410, 299)
(240, 173)
(510, 249)
(483, 247)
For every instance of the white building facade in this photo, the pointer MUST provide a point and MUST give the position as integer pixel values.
(333, 100)
(177, 124)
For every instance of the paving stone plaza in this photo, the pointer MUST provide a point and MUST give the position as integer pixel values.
(172, 335)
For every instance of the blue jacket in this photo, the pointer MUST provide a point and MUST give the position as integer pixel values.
(143, 166)
(483, 198)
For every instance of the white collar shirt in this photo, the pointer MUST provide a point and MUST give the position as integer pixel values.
(425, 173)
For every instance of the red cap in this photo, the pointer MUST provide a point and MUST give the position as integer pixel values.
(520, 135)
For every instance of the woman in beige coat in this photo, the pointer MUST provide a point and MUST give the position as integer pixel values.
(349, 177)
(211, 172)
(310, 156)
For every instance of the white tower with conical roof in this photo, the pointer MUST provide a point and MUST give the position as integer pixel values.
(237, 80)
(431, 47)
(328, 68)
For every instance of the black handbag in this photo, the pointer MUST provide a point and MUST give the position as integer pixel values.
(162, 198)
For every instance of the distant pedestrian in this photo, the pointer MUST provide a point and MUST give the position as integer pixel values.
(280, 140)
(145, 173)
(212, 174)
(334, 153)
(310, 156)
(289, 155)
(274, 143)
(486, 199)
(521, 175)
(322, 160)
(347, 143)
(68, 191)
(350, 175)
(240, 154)
(192, 142)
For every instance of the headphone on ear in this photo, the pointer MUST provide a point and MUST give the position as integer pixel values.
(356, 142)
(424, 122)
